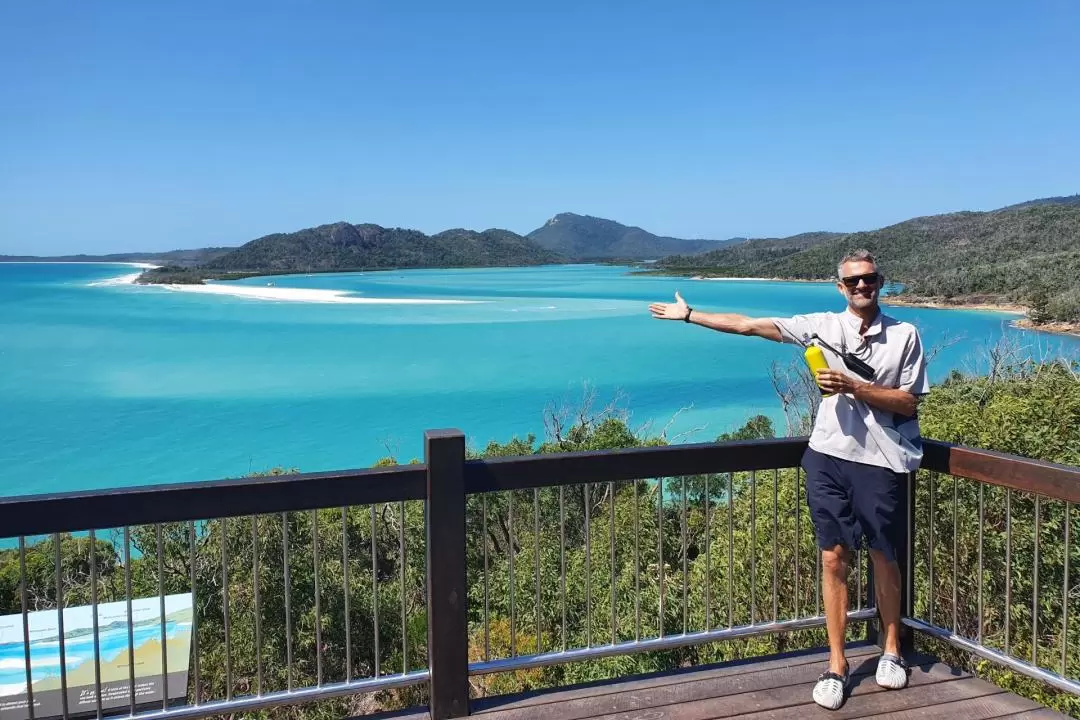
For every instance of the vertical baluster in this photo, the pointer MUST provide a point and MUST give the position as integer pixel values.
(60, 626)
(258, 605)
(318, 596)
(979, 591)
(536, 561)
(404, 608)
(562, 561)
(375, 591)
(817, 578)
(660, 544)
(708, 558)
(131, 616)
(753, 547)
(161, 608)
(730, 551)
(775, 567)
(194, 615)
(346, 592)
(1008, 564)
(224, 608)
(798, 538)
(858, 579)
(611, 524)
(685, 550)
(513, 551)
(94, 613)
(931, 589)
(487, 607)
(637, 565)
(955, 554)
(288, 598)
(1035, 590)
(26, 627)
(1065, 596)
(588, 569)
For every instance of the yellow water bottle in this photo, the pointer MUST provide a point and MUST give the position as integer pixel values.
(815, 359)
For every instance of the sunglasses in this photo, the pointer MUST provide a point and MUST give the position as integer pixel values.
(870, 279)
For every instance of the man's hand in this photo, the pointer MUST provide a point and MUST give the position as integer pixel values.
(893, 399)
(834, 381)
(670, 311)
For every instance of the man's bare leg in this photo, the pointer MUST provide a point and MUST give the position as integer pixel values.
(834, 571)
(887, 591)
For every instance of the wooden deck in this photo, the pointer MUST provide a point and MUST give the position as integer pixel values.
(773, 687)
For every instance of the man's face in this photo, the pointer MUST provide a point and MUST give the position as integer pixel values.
(860, 283)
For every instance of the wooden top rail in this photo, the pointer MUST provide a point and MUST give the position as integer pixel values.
(146, 505)
(521, 473)
(1060, 482)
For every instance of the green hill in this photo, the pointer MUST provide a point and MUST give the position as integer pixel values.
(586, 238)
(342, 246)
(1028, 253)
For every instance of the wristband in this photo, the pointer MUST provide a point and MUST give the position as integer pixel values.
(688, 311)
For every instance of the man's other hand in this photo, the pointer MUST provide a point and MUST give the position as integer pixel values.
(834, 381)
(670, 311)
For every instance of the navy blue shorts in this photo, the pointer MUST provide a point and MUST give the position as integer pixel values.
(849, 500)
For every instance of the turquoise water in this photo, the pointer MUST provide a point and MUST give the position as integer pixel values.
(119, 385)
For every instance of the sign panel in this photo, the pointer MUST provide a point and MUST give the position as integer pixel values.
(119, 639)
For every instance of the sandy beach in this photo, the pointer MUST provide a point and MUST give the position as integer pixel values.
(306, 295)
(755, 279)
(939, 305)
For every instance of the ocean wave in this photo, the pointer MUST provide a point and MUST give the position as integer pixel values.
(20, 664)
(122, 280)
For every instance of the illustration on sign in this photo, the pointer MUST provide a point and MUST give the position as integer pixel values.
(119, 638)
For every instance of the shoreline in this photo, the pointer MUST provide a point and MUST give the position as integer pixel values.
(936, 304)
(286, 294)
(756, 279)
(1053, 327)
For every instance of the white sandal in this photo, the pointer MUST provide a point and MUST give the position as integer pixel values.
(891, 672)
(830, 688)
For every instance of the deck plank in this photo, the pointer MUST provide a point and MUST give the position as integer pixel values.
(856, 654)
(717, 695)
(775, 687)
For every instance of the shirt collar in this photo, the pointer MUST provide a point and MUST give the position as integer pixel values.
(855, 322)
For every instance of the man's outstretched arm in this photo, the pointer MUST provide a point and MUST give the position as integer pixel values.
(724, 322)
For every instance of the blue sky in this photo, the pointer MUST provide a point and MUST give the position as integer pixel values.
(150, 126)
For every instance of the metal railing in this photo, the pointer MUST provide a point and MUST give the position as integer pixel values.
(993, 537)
(319, 586)
(350, 543)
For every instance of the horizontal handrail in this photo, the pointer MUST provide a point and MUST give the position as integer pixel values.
(179, 502)
(1060, 482)
(600, 466)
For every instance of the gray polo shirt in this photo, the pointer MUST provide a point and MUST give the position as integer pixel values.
(851, 429)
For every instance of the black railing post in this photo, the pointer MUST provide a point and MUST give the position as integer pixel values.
(448, 635)
(906, 561)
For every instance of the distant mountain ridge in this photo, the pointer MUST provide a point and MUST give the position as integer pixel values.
(180, 258)
(584, 238)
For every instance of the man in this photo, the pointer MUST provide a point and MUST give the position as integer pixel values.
(864, 442)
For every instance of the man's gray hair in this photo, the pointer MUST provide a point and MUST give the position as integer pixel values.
(856, 256)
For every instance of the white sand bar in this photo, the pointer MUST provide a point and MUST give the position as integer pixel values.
(308, 295)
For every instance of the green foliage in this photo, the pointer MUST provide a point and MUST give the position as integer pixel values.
(1028, 409)
(1005, 255)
